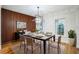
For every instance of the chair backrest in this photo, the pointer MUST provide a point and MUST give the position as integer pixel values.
(59, 39)
(29, 40)
(22, 37)
(42, 32)
(48, 33)
(54, 38)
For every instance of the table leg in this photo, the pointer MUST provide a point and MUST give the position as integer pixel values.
(44, 45)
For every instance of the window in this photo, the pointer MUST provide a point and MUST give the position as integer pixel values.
(39, 24)
(59, 25)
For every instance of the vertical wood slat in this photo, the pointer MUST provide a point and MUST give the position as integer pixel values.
(8, 23)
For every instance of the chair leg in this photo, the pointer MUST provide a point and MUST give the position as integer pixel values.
(58, 49)
(40, 47)
(20, 45)
(24, 47)
(48, 47)
(32, 47)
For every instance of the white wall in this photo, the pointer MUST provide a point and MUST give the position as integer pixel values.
(69, 16)
(0, 27)
(77, 28)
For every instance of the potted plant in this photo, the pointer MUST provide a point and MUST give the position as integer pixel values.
(71, 35)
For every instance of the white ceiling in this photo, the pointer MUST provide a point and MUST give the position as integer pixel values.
(32, 9)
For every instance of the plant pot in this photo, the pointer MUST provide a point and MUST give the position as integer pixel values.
(71, 41)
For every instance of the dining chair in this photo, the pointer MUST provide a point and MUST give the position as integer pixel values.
(55, 45)
(53, 39)
(27, 44)
(38, 42)
(22, 42)
(49, 34)
(32, 46)
(59, 44)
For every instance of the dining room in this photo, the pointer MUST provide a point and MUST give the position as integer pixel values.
(43, 29)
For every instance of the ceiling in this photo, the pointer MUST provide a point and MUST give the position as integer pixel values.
(32, 9)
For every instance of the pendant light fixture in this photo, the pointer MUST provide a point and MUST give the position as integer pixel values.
(37, 15)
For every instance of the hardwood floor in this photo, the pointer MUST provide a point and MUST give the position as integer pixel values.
(64, 49)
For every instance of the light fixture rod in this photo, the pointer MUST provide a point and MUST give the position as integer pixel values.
(38, 11)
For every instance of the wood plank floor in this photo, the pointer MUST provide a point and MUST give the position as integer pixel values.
(64, 49)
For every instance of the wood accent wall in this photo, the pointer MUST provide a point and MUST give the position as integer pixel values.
(8, 23)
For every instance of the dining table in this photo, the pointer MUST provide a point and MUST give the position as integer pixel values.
(39, 36)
